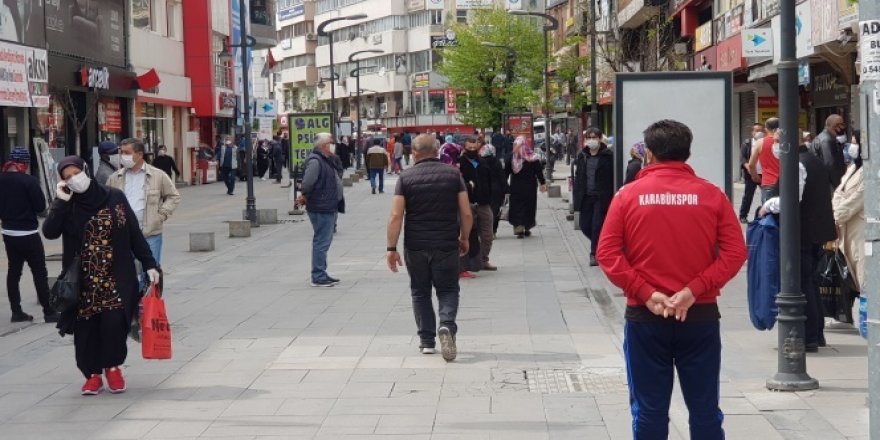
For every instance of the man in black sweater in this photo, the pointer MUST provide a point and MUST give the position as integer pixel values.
(20, 201)
(478, 178)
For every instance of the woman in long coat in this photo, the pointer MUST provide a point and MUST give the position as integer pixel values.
(849, 215)
(525, 174)
(97, 224)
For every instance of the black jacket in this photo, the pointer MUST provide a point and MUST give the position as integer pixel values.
(21, 199)
(478, 180)
(829, 151)
(499, 179)
(632, 170)
(745, 152)
(430, 190)
(604, 177)
(165, 163)
(817, 214)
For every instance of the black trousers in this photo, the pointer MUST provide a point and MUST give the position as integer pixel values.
(99, 342)
(438, 270)
(27, 249)
(814, 327)
(593, 212)
(746, 206)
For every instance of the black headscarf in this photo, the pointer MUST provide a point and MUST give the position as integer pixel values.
(87, 204)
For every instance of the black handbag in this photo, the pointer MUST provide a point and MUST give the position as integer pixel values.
(64, 295)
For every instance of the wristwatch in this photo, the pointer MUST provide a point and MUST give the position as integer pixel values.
(391, 249)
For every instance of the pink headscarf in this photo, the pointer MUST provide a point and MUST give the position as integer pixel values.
(522, 153)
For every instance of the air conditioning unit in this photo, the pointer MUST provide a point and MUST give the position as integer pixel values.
(311, 37)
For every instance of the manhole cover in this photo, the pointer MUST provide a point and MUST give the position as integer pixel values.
(595, 381)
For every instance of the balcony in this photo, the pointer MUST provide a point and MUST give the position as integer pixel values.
(633, 13)
(262, 27)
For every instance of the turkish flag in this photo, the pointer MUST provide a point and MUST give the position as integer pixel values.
(148, 80)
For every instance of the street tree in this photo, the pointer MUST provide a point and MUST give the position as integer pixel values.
(496, 64)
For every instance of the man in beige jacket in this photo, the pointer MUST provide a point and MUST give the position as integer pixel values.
(150, 192)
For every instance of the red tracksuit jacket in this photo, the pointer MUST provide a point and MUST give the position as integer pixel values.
(668, 230)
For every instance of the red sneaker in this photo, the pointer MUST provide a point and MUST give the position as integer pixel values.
(93, 385)
(466, 274)
(115, 381)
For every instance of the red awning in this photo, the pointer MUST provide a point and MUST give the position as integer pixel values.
(148, 80)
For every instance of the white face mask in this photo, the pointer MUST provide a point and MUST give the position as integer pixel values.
(841, 139)
(854, 150)
(79, 183)
(333, 148)
(127, 160)
(161, 152)
(776, 150)
(228, 142)
(593, 144)
(114, 160)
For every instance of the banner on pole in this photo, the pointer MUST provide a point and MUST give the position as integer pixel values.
(304, 127)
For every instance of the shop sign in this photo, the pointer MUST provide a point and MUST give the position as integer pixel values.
(422, 80)
(109, 116)
(23, 76)
(606, 92)
(706, 61)
(265, 108)
(848, 13)
(304, 127)
(730, 56)
(804, 72)
(226, 101)
(450, 102)
(473, 4)
(97, 78)
(703, 38)
(869, 50)
(415, 5)
(757, 42)
(824, 21)
(448, 39)
(434, 5)
(729, 24)
(828, 90)
(521, 125)
(288, 11)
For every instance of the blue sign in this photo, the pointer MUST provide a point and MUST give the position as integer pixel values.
(291, 13)
(804, 72)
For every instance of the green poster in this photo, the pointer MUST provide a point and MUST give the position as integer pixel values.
(303, 129)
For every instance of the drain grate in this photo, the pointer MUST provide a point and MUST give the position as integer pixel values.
(595, 381)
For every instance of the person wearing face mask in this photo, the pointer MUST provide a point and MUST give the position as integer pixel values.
(767, 154)
(21, 200)
(97, 224)
(828, 147)
(227, 155)
(150, 192)
(109, 163)
(636, 163)
(524, 173)
(593, 187)
(166, 163)
(751, 186)
(478, 178)
(849, 215)
(323, 198)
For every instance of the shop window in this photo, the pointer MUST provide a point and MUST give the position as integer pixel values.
(150, 124)
(109, 120)
(143, 14)
(51, 124)
(437, 102)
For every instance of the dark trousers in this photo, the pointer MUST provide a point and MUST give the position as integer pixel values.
(652, 351)
(748, 197)
(377, 174)
(228, 176)
(496, 214)
(27, 249)
(262, 167)
(593, 212)
(99, 342)
(438, 270)
(814, 327)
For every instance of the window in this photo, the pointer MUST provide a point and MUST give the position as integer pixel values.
(222, 70)
(171, 20)
(52, 123)
(149, 121)
(297, 61)
(304, 28)
(142, 14)
(420, 61)
(348, 33)
(437, 17)
(461, 16)
(285, 33)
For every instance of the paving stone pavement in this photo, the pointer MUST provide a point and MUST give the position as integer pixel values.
(260, 354)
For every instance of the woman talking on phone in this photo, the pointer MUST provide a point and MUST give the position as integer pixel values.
(97, 224)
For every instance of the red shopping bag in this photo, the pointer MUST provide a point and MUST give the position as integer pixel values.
(155, 329)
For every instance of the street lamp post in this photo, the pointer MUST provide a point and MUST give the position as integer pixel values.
(246, 42)
(322, 32)
(357, 74)
(549, 27)
(792, 361)
(594, 95)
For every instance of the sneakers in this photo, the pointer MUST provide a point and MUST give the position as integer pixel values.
(427, 350)
(21, 317)
(92, 386)
(115, 381)
(447, 344)
(333, 280)
(374, 190)
(323, 283)
(466, 275)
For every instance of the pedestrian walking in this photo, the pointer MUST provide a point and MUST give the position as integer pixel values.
(165, 163)
(431, 205)
(671, 242)
(108, 163)
(377, 162)
(636, 162)
(828, 147)
(244, 160)
(499, 183)
(227, 156)
(593, 187)
(571, 148)
(398, 155)
(151, 194)
(263, 159)
(276, 153)
(848, 203)
(751, 183)
(478, 179)
(322, 196)
(97, 225)
(343, 152)
(21, 200)
(407, 146)
(389, 149)
(766, 155)
(524, 174)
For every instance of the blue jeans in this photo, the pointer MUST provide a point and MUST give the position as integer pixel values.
(652, 350)
(228, 177)
(381, 175)
(323, 224)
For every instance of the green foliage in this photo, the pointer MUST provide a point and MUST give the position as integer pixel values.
(473, 68)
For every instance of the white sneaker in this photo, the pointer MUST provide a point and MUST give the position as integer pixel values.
(428, 350)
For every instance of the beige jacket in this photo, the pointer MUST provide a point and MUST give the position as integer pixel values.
(849, 214)
(161, 198)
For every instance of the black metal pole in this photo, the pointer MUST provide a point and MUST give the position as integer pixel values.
(332, 88)
(251, 202)
(792, 370)
(594, 95)
(359, 144)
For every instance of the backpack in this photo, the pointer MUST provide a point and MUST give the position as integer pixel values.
(762, 238)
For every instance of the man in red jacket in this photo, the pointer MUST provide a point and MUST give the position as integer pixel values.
(671, 240)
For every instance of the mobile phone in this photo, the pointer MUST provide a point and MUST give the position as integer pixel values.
(66, 189)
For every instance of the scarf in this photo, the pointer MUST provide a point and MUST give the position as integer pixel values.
(522, 153)
(488, 151)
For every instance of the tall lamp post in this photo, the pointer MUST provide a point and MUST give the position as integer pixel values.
(357, 74)
(594, 87)
(552, 25)
(323, 32)
(792, 360)
(246, 42)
